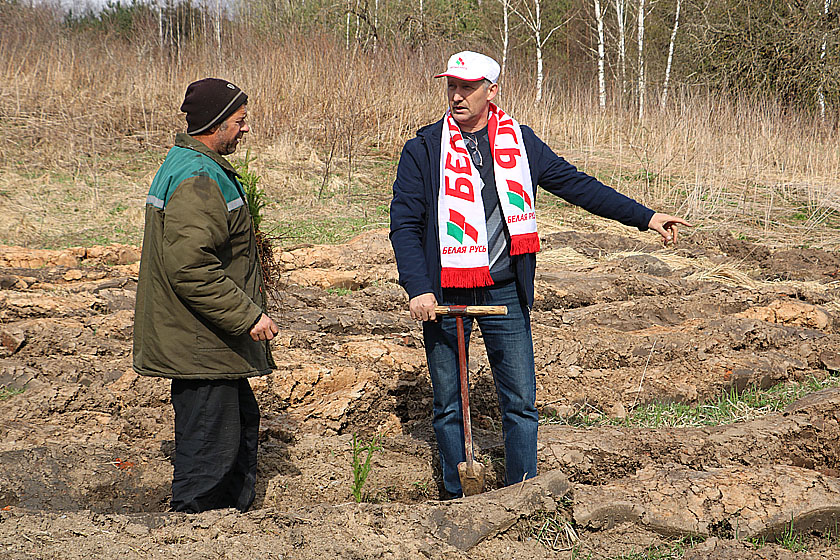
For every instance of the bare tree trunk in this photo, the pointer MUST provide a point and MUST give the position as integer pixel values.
(160, 24)
(505, 33)
(641, 39)
(375, 24)
(671, 55)
(178, 33)
(538, 41)
(205, 28)
(602, 86)
(169, 31)
(347, 28)
(820, 92)
(358, 25)
(534, 22)
(621, 18)
(538, 97)
(217, 27)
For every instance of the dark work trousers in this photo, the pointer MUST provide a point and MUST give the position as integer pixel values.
(216, 431)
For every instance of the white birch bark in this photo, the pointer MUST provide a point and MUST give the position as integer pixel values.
(204, 17)
(820, 92)
(533, 20)
(217, 26)
(641, 42)
(538, 41)
(160, 23)
(621, 19)
(169, 33)
(602, 86)
(505, 33)
(670, 56)
(347, 28)
(178, 41)
(358, 26)
(375, 23)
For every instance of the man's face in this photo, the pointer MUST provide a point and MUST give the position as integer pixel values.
(469, 102)
(231, 130)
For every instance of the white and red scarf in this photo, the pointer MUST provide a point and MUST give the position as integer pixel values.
(462, 224)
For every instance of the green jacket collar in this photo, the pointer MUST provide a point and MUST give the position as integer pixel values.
(184, 140)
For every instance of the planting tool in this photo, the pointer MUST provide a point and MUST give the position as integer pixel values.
(470, 310)
(471, 472)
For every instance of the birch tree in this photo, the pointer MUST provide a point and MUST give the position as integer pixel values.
(159, 8)
(820, 92)
(671, 55)
(505, 32)
(217, 27)
(347, 27)
(602, 86)
(641, 43)
(532, 18)
(422, 23)
(375, 24)
(358, 23)
(621, 19)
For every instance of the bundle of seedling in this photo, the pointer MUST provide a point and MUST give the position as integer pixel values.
(256, 199)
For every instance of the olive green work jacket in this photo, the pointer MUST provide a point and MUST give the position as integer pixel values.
(200, 288)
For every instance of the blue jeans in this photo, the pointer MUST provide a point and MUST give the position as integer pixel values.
(510, 351)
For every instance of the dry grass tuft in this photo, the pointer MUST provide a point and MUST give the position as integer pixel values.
(565, 257)
(725, 273)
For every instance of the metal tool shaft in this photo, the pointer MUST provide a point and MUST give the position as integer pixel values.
(465, 391)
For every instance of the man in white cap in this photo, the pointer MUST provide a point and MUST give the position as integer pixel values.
(464, 232)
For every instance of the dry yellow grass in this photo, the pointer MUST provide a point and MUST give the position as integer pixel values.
(329, 121)
(566, 258)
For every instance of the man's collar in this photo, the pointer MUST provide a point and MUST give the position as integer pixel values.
(183, 140)
(480, 133)
(431, 130)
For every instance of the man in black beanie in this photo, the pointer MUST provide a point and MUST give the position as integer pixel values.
(209, 103)
(200, 312)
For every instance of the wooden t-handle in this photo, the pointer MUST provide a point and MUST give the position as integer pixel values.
(471, 310)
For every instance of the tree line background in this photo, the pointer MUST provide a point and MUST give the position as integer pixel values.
(625, 54)
(721, 110)
(788, 49)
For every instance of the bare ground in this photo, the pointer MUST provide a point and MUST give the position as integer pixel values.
(85, 448)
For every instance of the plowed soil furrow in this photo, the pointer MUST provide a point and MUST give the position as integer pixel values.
(86, 444)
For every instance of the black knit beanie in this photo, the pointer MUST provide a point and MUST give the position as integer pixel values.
(209, 102)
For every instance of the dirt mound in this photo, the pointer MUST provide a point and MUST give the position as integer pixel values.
(86, 444)
(17, 257)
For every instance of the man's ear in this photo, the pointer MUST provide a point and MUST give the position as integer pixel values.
(210, 131)
(492, 91)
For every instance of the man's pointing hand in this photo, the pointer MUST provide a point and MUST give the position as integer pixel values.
(666, 225)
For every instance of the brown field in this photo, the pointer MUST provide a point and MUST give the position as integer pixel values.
(690, 395)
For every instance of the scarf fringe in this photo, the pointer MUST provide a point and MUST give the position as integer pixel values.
(524, 243)
(465, 277)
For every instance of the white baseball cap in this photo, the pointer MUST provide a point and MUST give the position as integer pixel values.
(471, 66)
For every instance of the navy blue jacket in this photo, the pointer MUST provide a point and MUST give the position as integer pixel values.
(414, 226)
